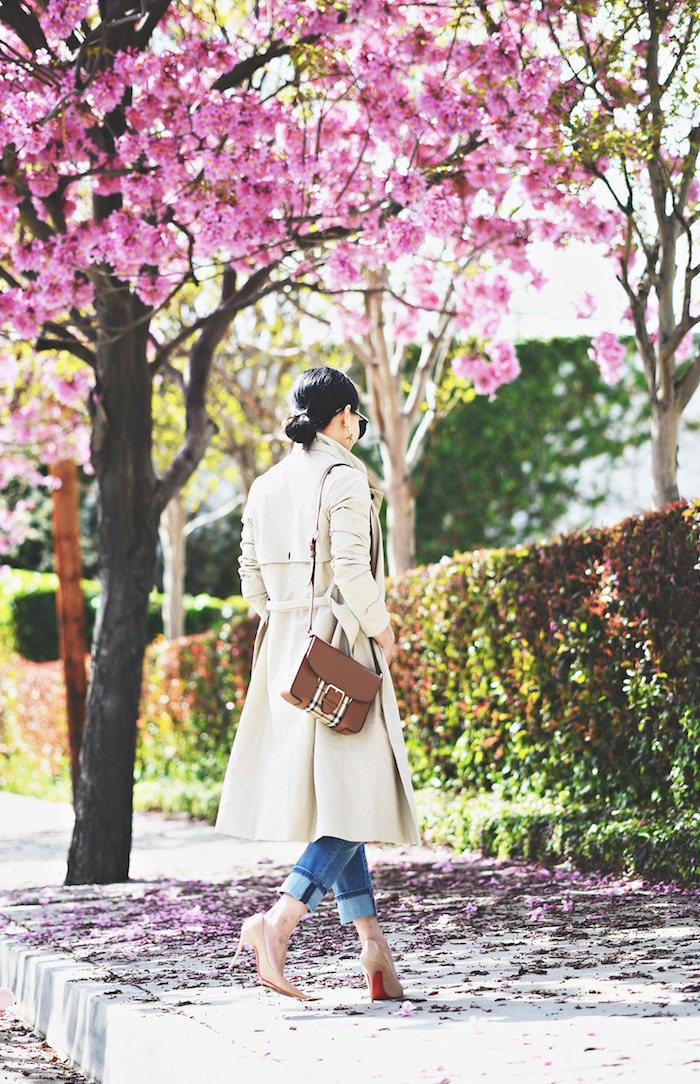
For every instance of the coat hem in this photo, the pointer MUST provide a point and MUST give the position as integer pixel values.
(304, 839)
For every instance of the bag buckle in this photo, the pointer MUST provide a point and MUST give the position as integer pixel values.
(317, 707)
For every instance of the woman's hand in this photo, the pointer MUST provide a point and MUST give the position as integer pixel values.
(387, 642)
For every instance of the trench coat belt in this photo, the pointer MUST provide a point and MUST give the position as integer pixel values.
(346, 619)
(295, 604)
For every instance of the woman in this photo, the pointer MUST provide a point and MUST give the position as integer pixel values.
(290, 777)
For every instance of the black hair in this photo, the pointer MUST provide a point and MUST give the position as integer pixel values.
(317, 395)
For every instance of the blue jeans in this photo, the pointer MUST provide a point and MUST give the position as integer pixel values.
(333, 863)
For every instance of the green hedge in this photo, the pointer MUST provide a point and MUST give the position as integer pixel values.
(28, 614)
(570, 669)
(193, 692)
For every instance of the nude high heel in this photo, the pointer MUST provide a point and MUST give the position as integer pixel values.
(382, 981)
(253, 934)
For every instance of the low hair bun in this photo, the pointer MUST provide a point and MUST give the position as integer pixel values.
(300, 429)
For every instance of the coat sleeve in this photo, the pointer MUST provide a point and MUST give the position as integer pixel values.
(252, 585)
(349, 504)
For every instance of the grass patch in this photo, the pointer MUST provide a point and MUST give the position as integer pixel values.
(657, 844)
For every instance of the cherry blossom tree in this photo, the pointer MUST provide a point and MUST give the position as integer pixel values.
(147, 147)
(630, 111)
(151, 150)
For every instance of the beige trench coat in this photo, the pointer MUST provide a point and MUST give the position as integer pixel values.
(289, 776)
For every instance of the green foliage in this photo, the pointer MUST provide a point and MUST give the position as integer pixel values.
(33, 729)
(570, 668)
(193, 690)
(211, 564)
(36, 552)
(33, 631)
(550, 694)
(192, 697)
(567, 670)
(664, 847)
(500, 472)
(28, 613)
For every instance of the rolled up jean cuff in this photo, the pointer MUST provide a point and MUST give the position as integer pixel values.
(351, 905)
(338, 864)
(303, 889)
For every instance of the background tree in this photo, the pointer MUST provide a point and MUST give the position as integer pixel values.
(405, 398)
(631, 114)
(251, 377)
(70, 604)
(541, 432)
(238, 158)
(403, 325)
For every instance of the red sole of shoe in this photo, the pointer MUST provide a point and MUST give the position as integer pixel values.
(376, 987)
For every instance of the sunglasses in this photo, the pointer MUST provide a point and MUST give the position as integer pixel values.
(364, 422)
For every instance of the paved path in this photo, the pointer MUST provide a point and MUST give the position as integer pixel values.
(511, 972)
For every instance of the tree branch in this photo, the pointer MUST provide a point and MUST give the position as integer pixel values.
(689, 167)
(658, 188)
(25, 25)
(246, 69)
(199, 425)
(211, 517)
(72, 346)
(437, 357)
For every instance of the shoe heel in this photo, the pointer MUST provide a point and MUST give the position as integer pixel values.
(237, 953)
(375, 985)
(381, 978)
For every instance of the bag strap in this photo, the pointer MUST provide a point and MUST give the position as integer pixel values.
(314, 537)
(312, 548)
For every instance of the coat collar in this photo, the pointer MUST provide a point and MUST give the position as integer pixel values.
(329, 446)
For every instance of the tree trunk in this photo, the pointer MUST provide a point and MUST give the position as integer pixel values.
(401, 517)
(172, 541)
(70, 604)
(128, 529)
(665, 424)
(400, 513)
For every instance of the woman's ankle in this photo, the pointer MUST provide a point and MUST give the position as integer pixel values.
(370, 930)
(285, 914)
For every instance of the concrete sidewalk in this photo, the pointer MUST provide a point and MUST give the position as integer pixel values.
(511, 973)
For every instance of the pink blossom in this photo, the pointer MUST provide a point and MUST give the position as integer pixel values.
(497, 366)
(301, 186)
(609, 354)
(405, 325)
(482, 375)
(686, 348)
(586, 306)
(505, 361)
